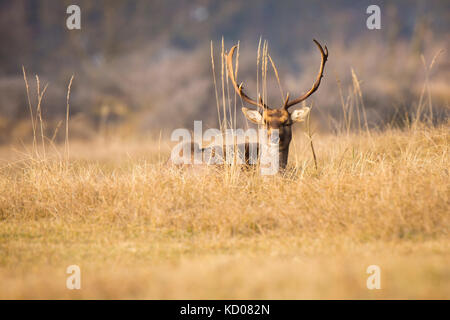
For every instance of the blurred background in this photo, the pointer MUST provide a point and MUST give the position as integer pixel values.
(145, 66)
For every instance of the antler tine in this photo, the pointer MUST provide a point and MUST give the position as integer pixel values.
(286, 101)
(239, 88)
(324, 54)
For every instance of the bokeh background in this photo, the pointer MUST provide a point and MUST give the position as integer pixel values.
(145, 66)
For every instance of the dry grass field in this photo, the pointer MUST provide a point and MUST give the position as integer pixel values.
(139, 229)
(84, 143)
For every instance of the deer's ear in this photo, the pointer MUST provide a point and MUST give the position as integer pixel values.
(300, 114)
(253, 115)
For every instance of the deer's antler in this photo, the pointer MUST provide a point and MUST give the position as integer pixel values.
(239, 88)
(324, 53)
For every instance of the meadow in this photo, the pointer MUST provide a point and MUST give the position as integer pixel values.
(370, 193)
(140, 229)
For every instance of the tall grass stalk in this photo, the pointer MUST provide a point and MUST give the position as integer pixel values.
(30, 109)
(66, 141)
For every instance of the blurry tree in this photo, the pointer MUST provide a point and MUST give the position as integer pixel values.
(149, 55)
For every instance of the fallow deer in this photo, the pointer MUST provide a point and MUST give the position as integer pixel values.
(277, 118)
(270, 118)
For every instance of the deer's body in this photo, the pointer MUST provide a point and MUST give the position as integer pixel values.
(246, 154)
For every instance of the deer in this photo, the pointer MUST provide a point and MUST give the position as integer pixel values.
(281, 118)
(271, 119)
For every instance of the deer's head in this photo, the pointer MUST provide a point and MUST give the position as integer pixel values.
(281, 118)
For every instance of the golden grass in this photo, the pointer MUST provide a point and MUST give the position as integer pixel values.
(139, 229)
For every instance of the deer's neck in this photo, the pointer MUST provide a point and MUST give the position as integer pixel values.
(283, 155)
(283, 151)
